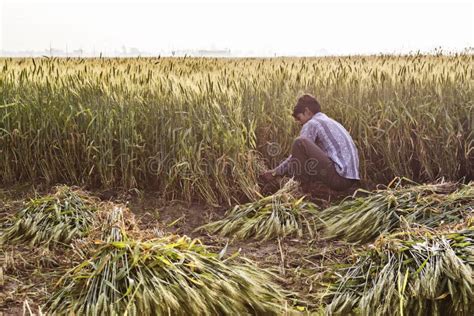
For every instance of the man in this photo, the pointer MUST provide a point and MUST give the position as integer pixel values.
(324, 151)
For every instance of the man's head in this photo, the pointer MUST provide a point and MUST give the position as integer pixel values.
(305, 108)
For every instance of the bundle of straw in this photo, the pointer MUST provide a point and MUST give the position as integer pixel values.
(362, 219)
(57, 218)
(409, 273)
(277, 215)
(169, 275)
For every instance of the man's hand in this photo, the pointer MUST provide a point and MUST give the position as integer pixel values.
(268, 182)
(268, 176)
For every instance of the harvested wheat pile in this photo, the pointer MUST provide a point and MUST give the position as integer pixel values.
(277, 215)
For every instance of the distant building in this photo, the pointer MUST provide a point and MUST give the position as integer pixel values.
(133, 51)
(213, 53)
(77, 52)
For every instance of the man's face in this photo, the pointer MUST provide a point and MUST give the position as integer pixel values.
(302, 118)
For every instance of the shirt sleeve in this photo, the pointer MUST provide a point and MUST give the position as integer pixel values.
(310, 131)
(282, 167)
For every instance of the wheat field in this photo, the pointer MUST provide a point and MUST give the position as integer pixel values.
(202, 129)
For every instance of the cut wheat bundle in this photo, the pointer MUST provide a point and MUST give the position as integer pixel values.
(168, 275)
(60, 217)
(277, 215)
(363, 218)
(421, 272)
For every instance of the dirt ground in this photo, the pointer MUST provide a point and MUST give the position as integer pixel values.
(27, 275)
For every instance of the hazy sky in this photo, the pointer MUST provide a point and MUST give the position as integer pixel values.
(265, 27)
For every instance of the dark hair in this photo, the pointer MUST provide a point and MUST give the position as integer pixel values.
(306, 101)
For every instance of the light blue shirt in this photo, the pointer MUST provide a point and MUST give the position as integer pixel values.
(333, 139)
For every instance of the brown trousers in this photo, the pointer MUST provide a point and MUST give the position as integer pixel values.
(309, 163)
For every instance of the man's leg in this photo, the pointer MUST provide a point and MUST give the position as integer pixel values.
(310, 163)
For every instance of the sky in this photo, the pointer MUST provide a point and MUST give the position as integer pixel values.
(243, 27)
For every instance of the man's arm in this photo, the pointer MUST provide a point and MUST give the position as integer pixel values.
(282, 168)
(309, 130)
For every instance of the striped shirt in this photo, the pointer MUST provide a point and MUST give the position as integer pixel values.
(334, 139)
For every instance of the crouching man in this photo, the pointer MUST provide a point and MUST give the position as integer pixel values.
(323, 152)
